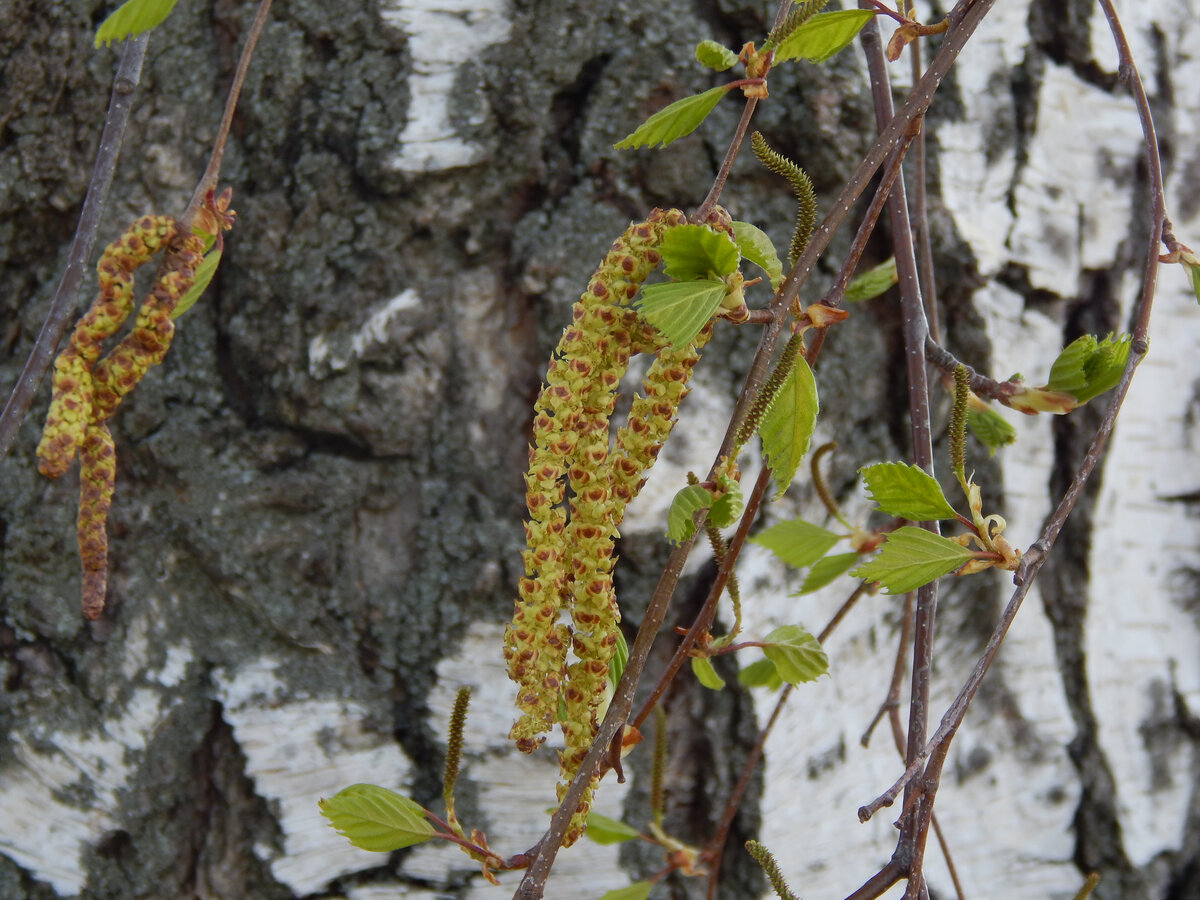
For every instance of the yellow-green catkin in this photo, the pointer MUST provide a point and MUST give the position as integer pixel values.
(88, 388)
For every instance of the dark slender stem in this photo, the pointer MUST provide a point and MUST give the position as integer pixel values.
(920, 218)
(62, 305)
(208, 181)
(735, 145)
(915, 328)
(1035, 556)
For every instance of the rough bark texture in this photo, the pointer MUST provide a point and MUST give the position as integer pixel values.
(316, 529)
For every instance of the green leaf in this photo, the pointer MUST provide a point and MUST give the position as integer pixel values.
(679, 309)
(796, 542)
(685, 504)
(796, 654)
(760, 674)
(714, 56)
(639, 890)
(1088, 367)
(702, 668)
(696, 251)
(678, 120)
(728, 507)
(911, 557)
(788, 425)
(204, 276)
(873, 282)
(826, 570)
(131, 19)
(1194, 277)
(907, 492)
(991, 429)
(823, 35)
(754, 245)
(376, 819)
(603, 830)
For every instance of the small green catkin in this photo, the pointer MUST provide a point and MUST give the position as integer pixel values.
(659, 767)
(799, 14)
(958, 420)
(806, 213)
(454, 744)
(770, 868)
(770, 389)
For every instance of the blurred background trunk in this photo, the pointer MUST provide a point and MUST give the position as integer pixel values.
(318, 514)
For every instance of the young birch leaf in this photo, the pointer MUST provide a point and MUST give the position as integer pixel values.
(754, 245)
(796, 542)
(991, 429)
(204, 276)
(1194, 277)
(672, 122)
(690, 252)
(760, 674)
(907, 492)
(714, 56)
(796, 654)
(1088, 367)
(679, 518)
(826, 570)
(639, 890)
(603, 830)
(376, 819)
(729, 507)
(616, 665)
(131, 19)
(873, 282)
(702, 668)
(911, 557)
(788, 425)
(679, 309)
(822, 36)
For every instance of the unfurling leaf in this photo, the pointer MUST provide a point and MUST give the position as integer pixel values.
(754, 245)
(691, 252)
(907, 492)
(1193, 276)
(788, 425)
(679, 309)
(911, 557)
(796, 542)
(603, 830)
(822, 36)
(685, 504)
(714, 56)
(1088, 367)
(797, 655)
(729, 506)
(616, 665)
(132, 18)
(639, 890)
(672, 122)
(760, 674)
(204, 276)
(990, 428)
(702, 668)
(376, 819)
(873, 282)
(826, 570)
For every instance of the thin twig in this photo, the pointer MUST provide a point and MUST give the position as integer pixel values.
(208, 181)
(62, 304)
(1035, 556)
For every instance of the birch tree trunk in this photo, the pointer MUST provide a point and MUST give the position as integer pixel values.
(318, 514)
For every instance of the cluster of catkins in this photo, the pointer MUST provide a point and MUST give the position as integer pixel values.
(88, 388)
(569, 545)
